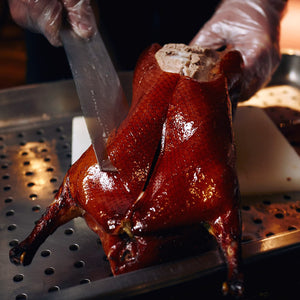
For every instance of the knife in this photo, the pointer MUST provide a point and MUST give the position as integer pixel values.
(98, 87)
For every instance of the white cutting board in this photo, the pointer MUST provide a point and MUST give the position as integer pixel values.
(80, 138)
(266, 163)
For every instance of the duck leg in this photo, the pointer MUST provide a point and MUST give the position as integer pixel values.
(62, 210)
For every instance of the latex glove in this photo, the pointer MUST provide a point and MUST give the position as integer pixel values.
(45, 16)
(251, 27)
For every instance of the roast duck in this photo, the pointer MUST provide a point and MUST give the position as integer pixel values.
(175, 161)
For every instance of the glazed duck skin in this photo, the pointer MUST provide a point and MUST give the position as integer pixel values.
(176, 168)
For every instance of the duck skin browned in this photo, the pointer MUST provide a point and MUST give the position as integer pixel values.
(175, 161)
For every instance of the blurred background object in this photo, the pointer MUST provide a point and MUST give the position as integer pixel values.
(290, 34)
(12, 50)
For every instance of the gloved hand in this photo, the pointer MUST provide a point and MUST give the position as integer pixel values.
(45, 16)
(251, 27)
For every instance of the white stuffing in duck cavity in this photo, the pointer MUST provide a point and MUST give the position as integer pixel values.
(192, 61)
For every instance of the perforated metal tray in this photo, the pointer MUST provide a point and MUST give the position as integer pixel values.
(35, 137)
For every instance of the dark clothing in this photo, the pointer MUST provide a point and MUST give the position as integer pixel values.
(44, 62)
(127, 28)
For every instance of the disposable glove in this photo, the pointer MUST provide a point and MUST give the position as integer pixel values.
(46, 16)
(251, 27)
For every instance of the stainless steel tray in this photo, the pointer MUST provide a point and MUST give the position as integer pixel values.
(35, 138)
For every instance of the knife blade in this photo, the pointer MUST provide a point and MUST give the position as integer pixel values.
(98, 87)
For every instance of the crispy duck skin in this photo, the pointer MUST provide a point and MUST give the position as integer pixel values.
(175, 158)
